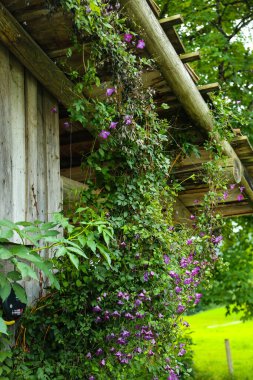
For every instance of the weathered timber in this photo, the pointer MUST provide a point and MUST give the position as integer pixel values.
(176, 75)
(190, 57)
(19, 42)
(211, 87)
(169, 22)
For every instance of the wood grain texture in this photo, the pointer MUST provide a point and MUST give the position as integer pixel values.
(33, 58)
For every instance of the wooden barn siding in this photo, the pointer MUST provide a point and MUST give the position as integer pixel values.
(30, 185)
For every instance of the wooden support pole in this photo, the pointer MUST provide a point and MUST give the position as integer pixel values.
(229, 358)
(177, 76)
(28, 52)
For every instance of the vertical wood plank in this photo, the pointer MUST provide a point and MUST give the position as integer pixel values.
(17, 147)
(41, 161)
(51, 120)
(5, 137)
(32, 206)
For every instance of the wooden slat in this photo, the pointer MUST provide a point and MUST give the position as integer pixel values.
(190, 57)
(31, 112)
(169, 22)
(18, 141)
(51, 121)
(33, 58)
(211, 87)
(5, 137)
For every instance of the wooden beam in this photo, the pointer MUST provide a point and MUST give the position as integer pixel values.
(181, 214)
(28, 52)
(190, 57)
(169, 22)
(177, 76)
(211, 87)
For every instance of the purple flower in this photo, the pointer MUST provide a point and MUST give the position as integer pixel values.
(92, 378)
(99, 352)
(217, 239)
(102, 363)
(242, 188)
(128, 37)
(138, 350)
(124, 361)
(113, 125)
(192, 217)
(110, 91)
(196, 201)
(128, 119)
(96, 309)
(115, 314)
(232, 186)
(152, 274)
(182, 352)
(120, 302)
(238, 101)
(172, 376)
(195, 271)
(110, 336)
(225, 195)
(178, 289)
(121, 340)
(98, 320)
(151, 353)
(186, 324)
(189, 242)
(166, 259)
(137, 303)
(118, 354)
(139, 315)
(89, 356)
(112, 349)
(180, 309)
(54, 109)
(160, 315)
(104, 134)
(123, 244)
(88, 9)
(66, 124)
(125, 334)
(188, 281)
(240, 197)
(171, 228)
(145, 276)
(140, 44)
(129, 316)
(173, 274)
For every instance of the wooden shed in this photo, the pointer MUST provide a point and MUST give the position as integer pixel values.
(38, 154)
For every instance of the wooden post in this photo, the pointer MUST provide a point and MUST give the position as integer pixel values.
(178, 78)
(229, 358)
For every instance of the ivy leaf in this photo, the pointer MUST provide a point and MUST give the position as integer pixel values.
(3, 327)
(20, 292)
(73, 259)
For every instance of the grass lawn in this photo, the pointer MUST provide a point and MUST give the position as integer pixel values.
(210, 355)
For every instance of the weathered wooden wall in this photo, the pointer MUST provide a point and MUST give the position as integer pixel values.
(30, 185)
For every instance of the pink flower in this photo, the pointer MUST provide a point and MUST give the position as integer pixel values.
(232, 186)
(128, 37)
(110, 91)
(128, 119)
(192, 217)
(113, 125)
(240, 197)
(225, 195)
(242, 188)
(189, 241)
(54, 109)
(104, 134)
(140, 44)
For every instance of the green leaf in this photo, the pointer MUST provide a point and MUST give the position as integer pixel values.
(5, 290)
(3, 327)
(92, 245)
(73, 259)
(26, 271)
(14, 275)
(5, 254)
(20, 292)
(104, 252)
(78, 251)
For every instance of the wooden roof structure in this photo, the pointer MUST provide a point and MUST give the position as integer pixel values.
(40, 37)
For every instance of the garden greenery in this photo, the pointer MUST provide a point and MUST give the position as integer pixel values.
(119, 311)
